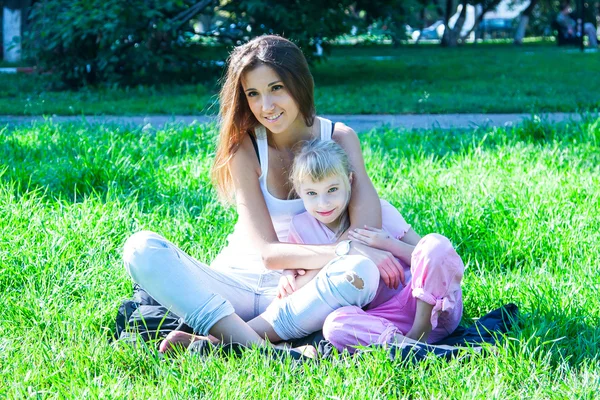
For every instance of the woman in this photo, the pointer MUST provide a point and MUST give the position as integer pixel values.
(266, 109)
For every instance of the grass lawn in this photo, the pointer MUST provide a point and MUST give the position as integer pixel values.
(496, 78)
(521, 205)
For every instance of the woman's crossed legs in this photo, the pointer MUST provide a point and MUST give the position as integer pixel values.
(217, 302)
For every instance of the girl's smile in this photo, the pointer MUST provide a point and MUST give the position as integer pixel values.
(325, 213)
(326, 200)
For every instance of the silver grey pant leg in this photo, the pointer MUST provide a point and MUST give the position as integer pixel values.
(345, 281)
(193, 290)
(203, 295)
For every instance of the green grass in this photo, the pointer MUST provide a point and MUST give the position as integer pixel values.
(412, 79)
(520, 204)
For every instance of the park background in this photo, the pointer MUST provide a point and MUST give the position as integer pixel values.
(520, 201)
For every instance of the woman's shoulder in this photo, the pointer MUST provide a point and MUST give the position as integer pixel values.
(245, 157)
(342, 130)
(345, 137)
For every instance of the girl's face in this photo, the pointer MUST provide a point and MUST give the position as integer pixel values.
(269, 99)
(325, 200)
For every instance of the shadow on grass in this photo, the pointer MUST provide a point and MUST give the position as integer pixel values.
(441, 143)
(70, 162)
(167, 170)
(555, 335)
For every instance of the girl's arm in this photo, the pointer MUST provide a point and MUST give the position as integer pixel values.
(380, 239)
(254, 216)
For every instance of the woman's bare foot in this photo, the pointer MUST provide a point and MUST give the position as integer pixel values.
(181, 340)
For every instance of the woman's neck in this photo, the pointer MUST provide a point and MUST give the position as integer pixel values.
(297, 132)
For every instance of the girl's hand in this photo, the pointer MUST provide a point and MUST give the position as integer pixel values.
(372, 237)
(390, 270)
(287, 282)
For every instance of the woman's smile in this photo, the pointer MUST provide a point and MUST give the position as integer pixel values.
(274, 118)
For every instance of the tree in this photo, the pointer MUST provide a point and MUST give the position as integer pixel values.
(143, 41)
(307, 23)
(393, 15)
(114, 41)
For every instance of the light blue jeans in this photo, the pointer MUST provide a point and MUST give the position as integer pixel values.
(203, 295)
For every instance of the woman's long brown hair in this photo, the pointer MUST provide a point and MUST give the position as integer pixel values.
(236, 119)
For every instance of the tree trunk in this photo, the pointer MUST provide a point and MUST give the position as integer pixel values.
(438, 8)
(523, 22)
(454, 33)
(11, 31)
(447, 15)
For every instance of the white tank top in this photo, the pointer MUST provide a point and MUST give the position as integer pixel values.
(239, 249)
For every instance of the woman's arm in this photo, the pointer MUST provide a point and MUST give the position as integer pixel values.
(254, 216)
(364, 208)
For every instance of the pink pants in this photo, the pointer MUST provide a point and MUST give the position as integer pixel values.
(437, 272)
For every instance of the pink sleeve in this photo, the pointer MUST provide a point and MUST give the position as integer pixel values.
(392, 220)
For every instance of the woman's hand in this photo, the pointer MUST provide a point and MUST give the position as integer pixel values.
(373, 237)
(287, 282)
(389, 268)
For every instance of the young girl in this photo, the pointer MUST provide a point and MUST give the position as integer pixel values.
(427, 309)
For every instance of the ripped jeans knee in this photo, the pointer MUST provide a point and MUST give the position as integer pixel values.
(345, 281)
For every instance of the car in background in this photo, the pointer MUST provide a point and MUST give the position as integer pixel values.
(496, 28)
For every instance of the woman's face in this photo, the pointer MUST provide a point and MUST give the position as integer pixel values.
(269, 99)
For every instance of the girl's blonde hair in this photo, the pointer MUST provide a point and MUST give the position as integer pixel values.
(236, 119)
(318, 160)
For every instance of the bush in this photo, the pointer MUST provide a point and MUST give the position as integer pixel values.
(114, 41)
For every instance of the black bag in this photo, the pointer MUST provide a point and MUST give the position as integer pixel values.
(144, 317)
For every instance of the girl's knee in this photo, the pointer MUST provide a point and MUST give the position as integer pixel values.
(359, 279)
(437, 272)
(434, 252)
(433, 242)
